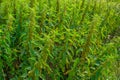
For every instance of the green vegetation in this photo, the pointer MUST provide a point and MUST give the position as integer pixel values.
(59, 40)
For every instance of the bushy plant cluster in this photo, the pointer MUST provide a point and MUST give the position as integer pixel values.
(59, 40)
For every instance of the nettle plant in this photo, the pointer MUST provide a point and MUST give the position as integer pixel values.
(59, 39)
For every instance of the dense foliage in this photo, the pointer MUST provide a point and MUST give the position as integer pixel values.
(59, 39)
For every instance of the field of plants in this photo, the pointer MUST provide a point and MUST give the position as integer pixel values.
(59, 39)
